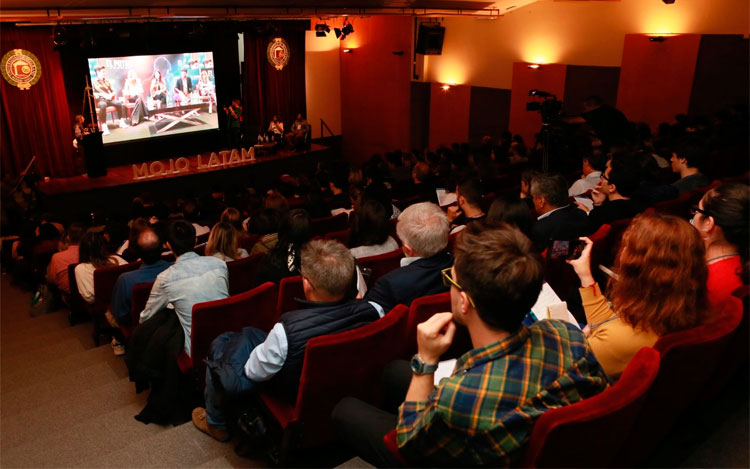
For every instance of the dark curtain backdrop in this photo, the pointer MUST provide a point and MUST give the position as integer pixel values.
(268, 91)
(36, 121)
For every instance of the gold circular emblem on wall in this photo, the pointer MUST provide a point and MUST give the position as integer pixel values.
(278, 53)
(21, 68)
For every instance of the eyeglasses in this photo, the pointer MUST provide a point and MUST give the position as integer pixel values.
(448, 281)
(604, 176)
(695, 209)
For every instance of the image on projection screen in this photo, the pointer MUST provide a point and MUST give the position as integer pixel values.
(148, 96)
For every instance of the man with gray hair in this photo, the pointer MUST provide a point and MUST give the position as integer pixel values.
(558, 218)
(423, 229)
(239, 361)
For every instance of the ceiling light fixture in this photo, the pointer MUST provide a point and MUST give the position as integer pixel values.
(321, 30)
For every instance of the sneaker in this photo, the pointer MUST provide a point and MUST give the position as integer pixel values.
(105, 129)
(117, 348)
(200, 422)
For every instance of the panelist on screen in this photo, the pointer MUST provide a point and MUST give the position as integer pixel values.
(183, 86)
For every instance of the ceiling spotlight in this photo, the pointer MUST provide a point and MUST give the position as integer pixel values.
(348, 29)
(321, 30)
(337, 31)
(59, 35)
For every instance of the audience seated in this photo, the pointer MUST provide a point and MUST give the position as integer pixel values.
(423, 230)
(612, 197)
(92, 255)
(192, 279)
(149, 246)
(685, 161)
(222, 243)
(125, 250)
(660, 288)
(592, 167)
(57, 272)
(284, 259)
(512, 210)
(242, 360)
(483, 413)
(266, 224)
(558, 219)
(469, 198)
(370, 230)
(721, 219)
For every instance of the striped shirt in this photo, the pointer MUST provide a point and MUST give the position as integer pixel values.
(485, 411)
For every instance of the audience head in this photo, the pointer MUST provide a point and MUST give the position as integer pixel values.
(526, 177)
(511, 210)
(370, 225)
(233, 216)
(549, 191)
(423, 229)
(662, 275)
(75, 233)
(276, 201)
(723, 217)
(592, 102)
(266, 222)
(181, 237)
(500, 274)
(295, 228)
(223, 240)
(688, 155)
(421, 172)
(621, 176)
(93, 247)
(594, 162)
(328, 271)
(469, 192)
(149, 246)
(136, 227)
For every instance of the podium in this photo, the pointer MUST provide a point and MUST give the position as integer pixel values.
(93, 155)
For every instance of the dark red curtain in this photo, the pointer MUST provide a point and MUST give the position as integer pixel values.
(36, 121)
(268, 91)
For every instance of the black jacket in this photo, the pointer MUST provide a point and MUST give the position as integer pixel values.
(569, 222)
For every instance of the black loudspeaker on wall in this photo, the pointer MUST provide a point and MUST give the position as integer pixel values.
(94, 155)
(430, 39)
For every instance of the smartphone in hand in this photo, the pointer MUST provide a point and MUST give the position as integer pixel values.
(566, 249)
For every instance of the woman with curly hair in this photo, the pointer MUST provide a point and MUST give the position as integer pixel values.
(721, 220)
(93, 254)
(660, 289)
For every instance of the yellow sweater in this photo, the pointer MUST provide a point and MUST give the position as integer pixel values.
(613, 341)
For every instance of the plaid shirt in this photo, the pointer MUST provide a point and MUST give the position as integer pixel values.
(485, 411)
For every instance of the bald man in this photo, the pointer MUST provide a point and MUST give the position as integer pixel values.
(149, 247)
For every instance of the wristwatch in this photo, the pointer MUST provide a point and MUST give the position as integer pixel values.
(419, 367)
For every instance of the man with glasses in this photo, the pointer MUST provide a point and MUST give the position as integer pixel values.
(483, 413)
(613, 195)
(238, 361)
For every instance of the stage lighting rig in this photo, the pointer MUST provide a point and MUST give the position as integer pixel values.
(345, 30)
(321, 30)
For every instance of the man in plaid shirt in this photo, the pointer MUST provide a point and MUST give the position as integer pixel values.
(484, 412)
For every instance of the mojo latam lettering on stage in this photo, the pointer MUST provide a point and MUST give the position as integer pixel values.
(161, 168)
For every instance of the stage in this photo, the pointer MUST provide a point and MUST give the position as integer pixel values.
(174, 177)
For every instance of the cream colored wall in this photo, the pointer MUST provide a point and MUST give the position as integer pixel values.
(323, 82)
(481, 52)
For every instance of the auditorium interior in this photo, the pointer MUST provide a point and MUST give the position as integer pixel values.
(369, 91)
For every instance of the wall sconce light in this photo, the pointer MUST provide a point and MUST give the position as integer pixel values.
(348, 51)
(534, 66)
(657, 38)
(446, 87)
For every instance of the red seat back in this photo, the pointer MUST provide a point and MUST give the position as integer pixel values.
(242, 273)
(602, 421)
(337, 366)
(321, 226)
(104, 283)
(138, 300)
(680, 207)
(688, 359)
(381, 264)
(290, 288)
(421, 310)
(254, 308)
(390, 442)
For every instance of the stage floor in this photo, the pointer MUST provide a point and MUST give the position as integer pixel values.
(118, 176)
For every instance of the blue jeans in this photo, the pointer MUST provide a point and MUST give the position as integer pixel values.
(227, 357)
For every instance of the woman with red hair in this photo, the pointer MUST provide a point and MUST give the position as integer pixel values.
(660, 288)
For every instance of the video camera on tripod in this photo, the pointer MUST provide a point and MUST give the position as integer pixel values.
(549, 107)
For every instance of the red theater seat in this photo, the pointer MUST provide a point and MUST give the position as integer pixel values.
(341, 236)
(381, 264)
(255, 308)
(421, 310)
(138, 300)
(688, 360)
(104, 285)
(290, 288)
(242, 273)
(602, 421)
(336, 366)
(321, 226)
